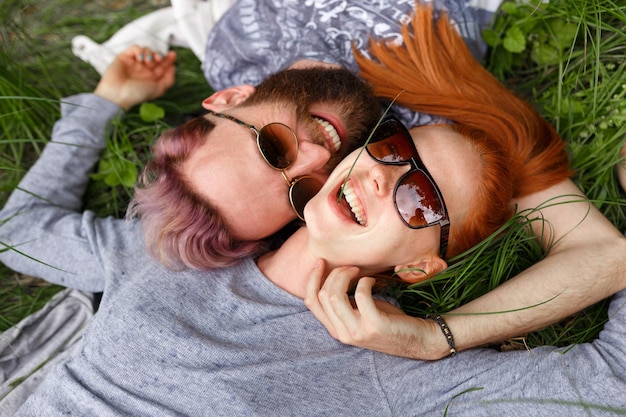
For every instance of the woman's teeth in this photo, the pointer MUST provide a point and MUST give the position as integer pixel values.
(354, 203)
(331, 133)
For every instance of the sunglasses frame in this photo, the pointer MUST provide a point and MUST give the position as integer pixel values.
(290, 183)
(257, 132)
(416, 164)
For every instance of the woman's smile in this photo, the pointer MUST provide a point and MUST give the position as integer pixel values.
(350, 201)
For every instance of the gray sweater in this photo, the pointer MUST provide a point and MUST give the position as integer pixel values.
(229, 342)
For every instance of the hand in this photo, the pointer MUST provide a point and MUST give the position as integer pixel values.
(137, 75)
(369, 323)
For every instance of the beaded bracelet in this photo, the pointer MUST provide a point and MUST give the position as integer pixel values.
(446, 331)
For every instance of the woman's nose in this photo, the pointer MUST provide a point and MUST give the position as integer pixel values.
(384, 177)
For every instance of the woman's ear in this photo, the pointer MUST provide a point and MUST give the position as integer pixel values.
(421, 270)
(228, 98)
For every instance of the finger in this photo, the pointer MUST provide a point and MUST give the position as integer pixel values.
(146, 56)
(128, 56)
(168, 59)
(169, 79)
(139, 53)
(364, 299)
(311, 299)
(164, 61)
(336, 303)
(165, 64)
(170, 56)
(338, 284)
(132, 50)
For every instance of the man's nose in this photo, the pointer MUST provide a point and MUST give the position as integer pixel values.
(311, 158)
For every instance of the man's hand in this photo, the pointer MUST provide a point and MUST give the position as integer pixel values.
(137, 75)
(369, 323)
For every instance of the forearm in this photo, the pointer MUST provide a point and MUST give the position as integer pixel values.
(60, 175)
(41, 226)
(559, 286)
(586, 262)
(571, 278)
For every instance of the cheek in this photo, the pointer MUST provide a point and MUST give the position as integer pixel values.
(253, 206)
(423, 241)
(397, 244)
(257, 217)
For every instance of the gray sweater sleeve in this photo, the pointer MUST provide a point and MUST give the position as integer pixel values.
(586, 379)
(42, 225)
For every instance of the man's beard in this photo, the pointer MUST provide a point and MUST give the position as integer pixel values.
(360, 109)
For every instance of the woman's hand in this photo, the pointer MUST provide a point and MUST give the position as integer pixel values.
(369, 323)
(137, 75)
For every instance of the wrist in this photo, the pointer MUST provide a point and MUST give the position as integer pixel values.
(112, 95)
(443, 340)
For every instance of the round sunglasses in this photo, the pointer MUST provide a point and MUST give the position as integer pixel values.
(417, 197)
(278, 145)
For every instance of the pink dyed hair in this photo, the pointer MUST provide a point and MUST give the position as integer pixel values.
(182, 229)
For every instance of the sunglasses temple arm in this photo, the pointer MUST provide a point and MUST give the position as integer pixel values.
(287, 180)
(445, 234)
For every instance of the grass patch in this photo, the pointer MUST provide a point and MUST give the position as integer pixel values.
(37, 69)
(572, 66)
(566, 57)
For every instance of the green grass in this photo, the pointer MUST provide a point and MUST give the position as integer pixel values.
(573, 67)
(566, 57)
(37, 69)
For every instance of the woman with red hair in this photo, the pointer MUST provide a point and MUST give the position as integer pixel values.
(433, 72)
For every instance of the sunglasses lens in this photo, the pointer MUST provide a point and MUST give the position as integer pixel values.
(303, 190)
(278, 144)
(391, 142)
(393, 149)
(418, 201)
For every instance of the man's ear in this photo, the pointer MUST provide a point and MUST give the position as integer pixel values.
(228, 98)
(420, 270)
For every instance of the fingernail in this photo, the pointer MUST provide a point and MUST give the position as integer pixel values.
(140, 56)
(149, 57)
